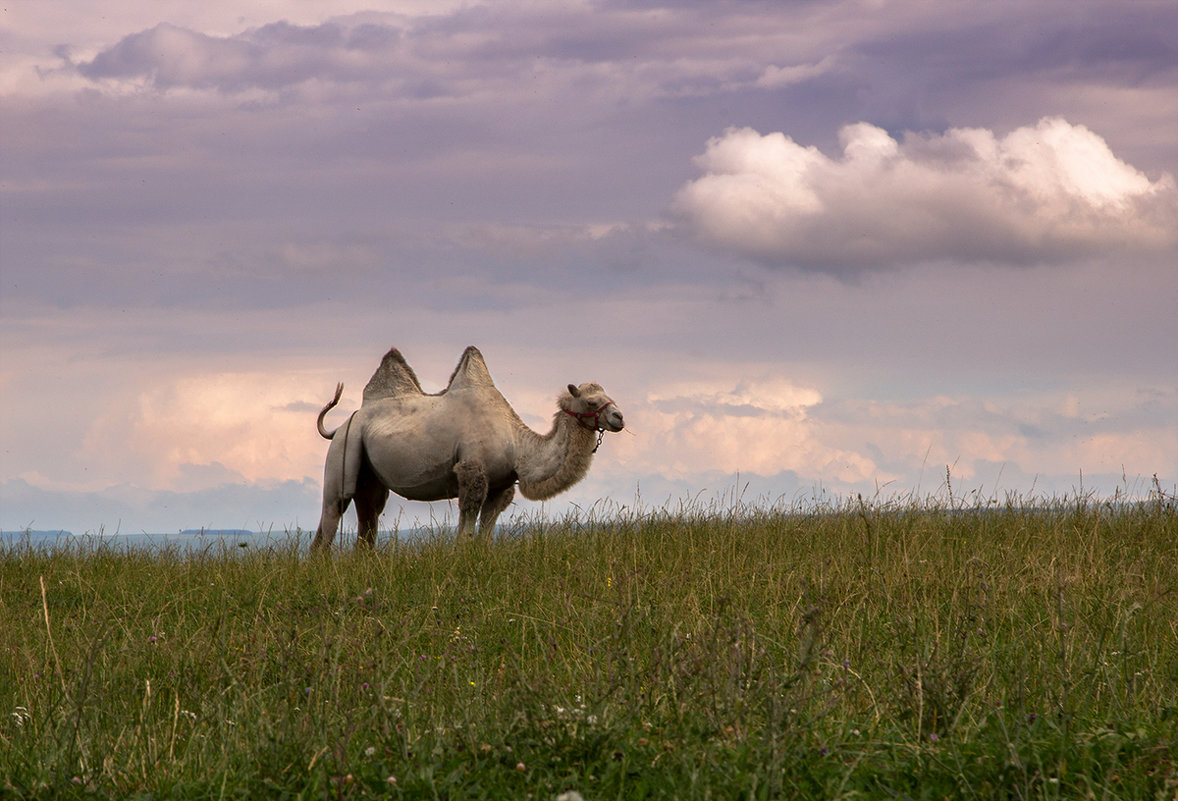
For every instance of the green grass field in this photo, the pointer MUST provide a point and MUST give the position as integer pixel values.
(887, 650)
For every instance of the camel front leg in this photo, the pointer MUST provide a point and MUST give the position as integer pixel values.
(472, 493)
(493, 507)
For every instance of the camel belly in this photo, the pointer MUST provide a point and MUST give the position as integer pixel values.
(413, 444)
(431, 491)
(411, 471)
(422, 468)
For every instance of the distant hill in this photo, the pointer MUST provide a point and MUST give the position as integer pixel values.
(188, 540)
(40, 534)
(217, 532)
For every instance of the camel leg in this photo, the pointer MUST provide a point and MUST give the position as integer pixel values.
(370, 500)
(333, 510)
(340, 472)
(493, 507)
(472, 492)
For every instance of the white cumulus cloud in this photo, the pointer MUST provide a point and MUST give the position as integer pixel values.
(1046, 192)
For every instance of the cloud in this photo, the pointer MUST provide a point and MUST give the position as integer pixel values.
(1055, 434)
(773, 426)
(763, 397)
(775, 77)
(1104, 41)
(273, 56)
(1041, 193)
(757, 426)
(203, 430)
(478, 53)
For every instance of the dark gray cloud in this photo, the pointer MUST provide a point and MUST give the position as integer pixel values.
(1104, 65)
(612, 53)
(272, 57)
(1126, 43)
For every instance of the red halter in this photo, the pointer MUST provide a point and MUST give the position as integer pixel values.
(583, 416)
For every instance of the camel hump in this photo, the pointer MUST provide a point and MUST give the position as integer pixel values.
(471, 371)
(392, 379)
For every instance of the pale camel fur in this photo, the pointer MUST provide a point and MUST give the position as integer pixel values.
(465, 442)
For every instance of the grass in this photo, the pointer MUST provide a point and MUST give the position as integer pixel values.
(886, 650)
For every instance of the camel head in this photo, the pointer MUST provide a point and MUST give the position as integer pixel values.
(592, 408)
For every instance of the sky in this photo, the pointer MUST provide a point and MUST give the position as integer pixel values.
(812, 249)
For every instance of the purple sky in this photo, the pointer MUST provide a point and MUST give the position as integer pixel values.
(808, 247)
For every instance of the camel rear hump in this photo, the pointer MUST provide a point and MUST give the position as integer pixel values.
(471, 372)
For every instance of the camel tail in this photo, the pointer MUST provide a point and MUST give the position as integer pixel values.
(323, 432)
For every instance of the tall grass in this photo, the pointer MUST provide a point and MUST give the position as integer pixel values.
(866, 649)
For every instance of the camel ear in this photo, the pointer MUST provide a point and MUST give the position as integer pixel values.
(576, 393)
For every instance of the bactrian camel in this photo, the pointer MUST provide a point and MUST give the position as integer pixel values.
(465, 442)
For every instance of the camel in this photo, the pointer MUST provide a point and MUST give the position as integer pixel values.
(465, 442)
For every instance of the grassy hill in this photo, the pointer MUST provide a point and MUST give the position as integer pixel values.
(1029, 651)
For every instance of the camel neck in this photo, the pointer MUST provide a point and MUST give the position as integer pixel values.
(551, 463)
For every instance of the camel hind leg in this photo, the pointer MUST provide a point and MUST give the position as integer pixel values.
(333, 510)
(340, 475)
(371, 498)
